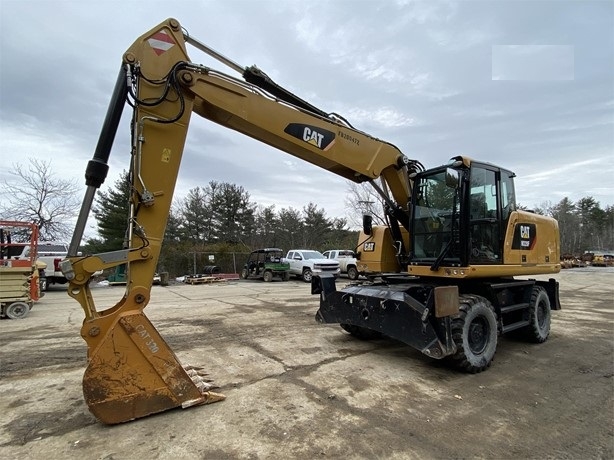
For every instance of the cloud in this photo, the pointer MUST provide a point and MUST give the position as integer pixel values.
(384, 116)
(533, 62)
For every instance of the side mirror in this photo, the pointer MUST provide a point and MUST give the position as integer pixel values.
(452, 178)
(367, 224)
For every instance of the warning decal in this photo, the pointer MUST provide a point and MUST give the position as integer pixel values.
(161, 42)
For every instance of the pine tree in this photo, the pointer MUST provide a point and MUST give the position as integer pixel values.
(290, 232)
(111, 212)
(316, 227)
(266, 225)
(196, 216)
(232, 211)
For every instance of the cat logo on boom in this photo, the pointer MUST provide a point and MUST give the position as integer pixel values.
(313, 135)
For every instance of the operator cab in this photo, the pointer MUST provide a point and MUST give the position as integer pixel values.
(460, 212)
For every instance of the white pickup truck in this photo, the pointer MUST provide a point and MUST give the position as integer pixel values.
(52, 254)
(305, 263)
(347, 261)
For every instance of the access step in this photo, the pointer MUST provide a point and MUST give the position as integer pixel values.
(514, 326)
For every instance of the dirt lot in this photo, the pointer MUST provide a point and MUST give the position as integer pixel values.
(297, 389)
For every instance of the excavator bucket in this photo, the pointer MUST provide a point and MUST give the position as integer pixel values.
(133, 373)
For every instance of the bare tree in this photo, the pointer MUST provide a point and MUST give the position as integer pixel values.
(360, 199)
(34, 194)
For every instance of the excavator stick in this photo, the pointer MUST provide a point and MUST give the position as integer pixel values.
(133, 373)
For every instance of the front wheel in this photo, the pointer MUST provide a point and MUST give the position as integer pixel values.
(474, 331)
(539, 315)
(268, 276)
(352, 273)
(17, 310)
(307, 275)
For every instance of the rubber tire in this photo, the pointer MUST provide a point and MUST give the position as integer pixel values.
(307, 275)
(352, 273)
(46, 284)
(267, 276)
(475, 321)
(285, 276)
(539, 314)
(17, 310)
(244, 273)
(361, 333)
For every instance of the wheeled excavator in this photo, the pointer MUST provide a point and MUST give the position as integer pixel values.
(443, 267)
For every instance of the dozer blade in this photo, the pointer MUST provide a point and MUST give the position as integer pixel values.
(133, 373)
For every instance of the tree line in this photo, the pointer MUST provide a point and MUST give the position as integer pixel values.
(583, 225)
(221, 217)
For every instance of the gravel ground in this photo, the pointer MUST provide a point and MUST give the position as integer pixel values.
(298, 389)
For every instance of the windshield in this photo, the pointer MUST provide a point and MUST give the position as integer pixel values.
(313, 255)
(435, 214)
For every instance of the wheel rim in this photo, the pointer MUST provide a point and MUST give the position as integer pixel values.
(479, 335)
(307, 276)
(17, 310)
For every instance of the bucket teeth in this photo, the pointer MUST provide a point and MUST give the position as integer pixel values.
(214, 397)
(204, 386)
(199, 378)
(189, 367)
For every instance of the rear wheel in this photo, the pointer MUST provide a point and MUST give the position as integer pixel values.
(307, 275)
(285, 276)
(244, 273)
(539, 315)
(268, 276)
(474, 331)
(352, 273)
(17, 310)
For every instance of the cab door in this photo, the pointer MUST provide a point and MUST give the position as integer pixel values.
(485, 215)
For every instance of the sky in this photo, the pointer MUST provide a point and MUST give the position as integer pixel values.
(526, 85)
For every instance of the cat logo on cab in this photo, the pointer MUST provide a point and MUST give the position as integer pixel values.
(369, 247)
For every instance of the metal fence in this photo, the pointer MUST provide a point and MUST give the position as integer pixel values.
(193, 263)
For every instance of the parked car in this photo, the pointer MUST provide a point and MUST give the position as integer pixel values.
(305, 263)
(266, 264)
(51, 254)
(347, 261)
